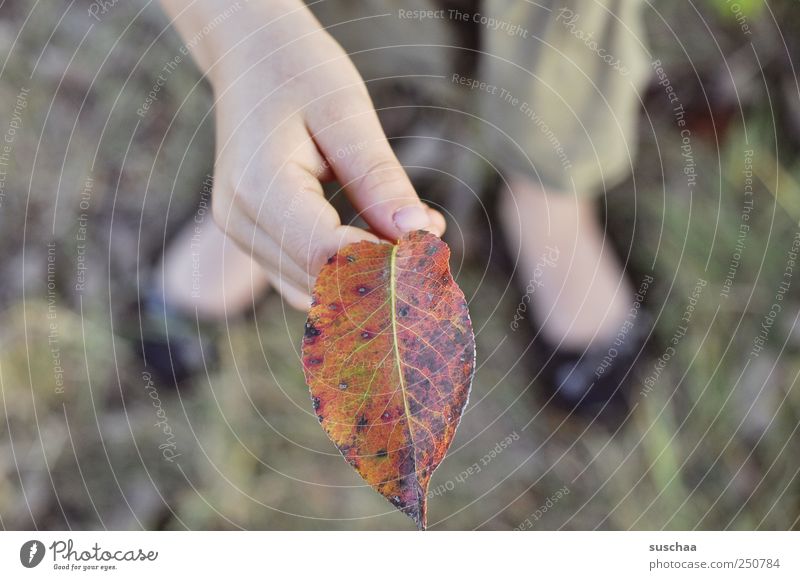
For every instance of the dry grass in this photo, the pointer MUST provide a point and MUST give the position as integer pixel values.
(713, 445)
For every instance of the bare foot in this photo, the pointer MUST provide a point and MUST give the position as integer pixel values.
(205, 272)
(580, 294)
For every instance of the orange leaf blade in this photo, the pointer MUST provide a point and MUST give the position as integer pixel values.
(389, 355)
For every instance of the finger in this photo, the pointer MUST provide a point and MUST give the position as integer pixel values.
(267, 252)
(298, 220)
(348, 132)
(274, 265)
(285, 282)
(438, 223)
(292, 295)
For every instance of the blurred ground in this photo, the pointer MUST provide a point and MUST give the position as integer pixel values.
(92, 189)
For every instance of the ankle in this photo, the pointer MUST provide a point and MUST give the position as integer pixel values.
(581, 297)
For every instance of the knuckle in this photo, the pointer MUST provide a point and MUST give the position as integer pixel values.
(344, 106)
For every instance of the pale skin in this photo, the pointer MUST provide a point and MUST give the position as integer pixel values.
(292, 112)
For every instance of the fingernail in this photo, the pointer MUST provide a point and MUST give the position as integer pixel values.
(411, 217)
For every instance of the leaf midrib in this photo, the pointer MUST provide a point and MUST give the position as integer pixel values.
(393, 297)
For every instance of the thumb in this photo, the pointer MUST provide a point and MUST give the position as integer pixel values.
(375, 182)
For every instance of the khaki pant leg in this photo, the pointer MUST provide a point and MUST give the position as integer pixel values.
(569, 78)
(388, 45)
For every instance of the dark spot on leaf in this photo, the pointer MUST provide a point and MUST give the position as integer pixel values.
(320, 418)
(431, 250)
(314, 361)
(366, 334)
(351, 259)
(362, 290)
(333, 306)
(343, 385)
(403, 311)
(330, 260)
(311, 330)
(362, 422)
(382, 453)
(315, 403)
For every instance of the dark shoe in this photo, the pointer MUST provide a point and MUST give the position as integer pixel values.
(173, 345)
(595, 382)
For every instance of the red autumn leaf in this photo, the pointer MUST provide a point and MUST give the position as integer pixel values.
(389, 354)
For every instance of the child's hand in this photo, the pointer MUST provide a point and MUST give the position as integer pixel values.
(291, 112)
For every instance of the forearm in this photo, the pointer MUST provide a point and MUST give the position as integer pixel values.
(220, 32)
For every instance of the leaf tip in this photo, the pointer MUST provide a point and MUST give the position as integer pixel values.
(419, 510)
(416, 508)
(418, 515)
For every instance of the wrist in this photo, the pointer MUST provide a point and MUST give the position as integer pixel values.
(220, 34)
